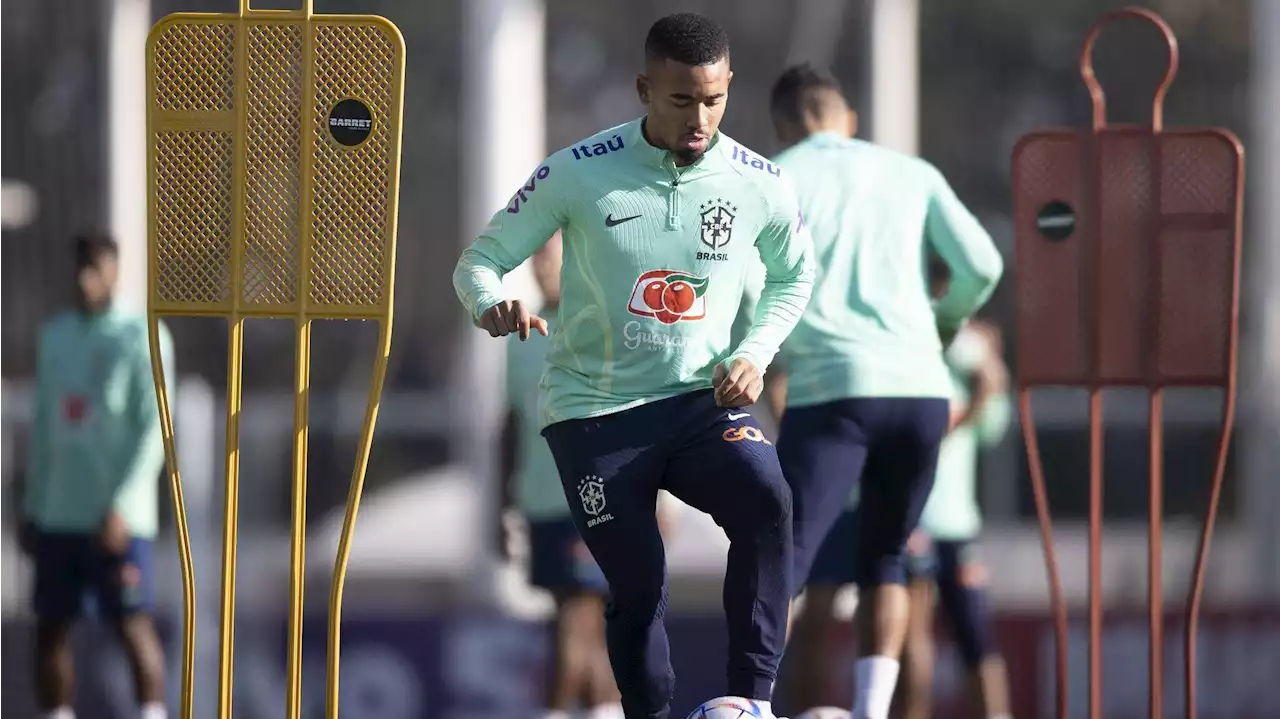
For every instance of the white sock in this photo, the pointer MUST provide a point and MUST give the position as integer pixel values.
(1000, 716)
(606, 711)
(555, 714)
(61, 713)
(877, 676)
(154, 710)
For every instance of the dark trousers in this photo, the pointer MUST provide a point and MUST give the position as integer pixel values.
(885, 447)
(717, 461)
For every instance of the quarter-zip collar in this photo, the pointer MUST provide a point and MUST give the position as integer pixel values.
(659, 157)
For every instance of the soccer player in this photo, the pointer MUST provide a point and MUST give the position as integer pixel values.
(90, 502)
(945, 557)
(941, 553)
(643, 391)
(559, 560)
(867, 385)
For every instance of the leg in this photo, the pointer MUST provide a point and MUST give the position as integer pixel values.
(60, 583)
(822, 450)
(895, 484)
(729, 470)
(809, 648)
(610, 475)
(919, 651)
(561, 563)
(962, 594)
(55, 666)
(124, 586)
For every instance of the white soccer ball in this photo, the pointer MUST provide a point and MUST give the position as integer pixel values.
(826, 713)
(729, 708)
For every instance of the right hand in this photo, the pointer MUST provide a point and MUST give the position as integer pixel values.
(511, 316)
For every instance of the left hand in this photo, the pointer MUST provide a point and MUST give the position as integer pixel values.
(739, 385)
(115, 535)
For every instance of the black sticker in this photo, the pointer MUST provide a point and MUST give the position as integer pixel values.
(1056, 220)
(350, 122)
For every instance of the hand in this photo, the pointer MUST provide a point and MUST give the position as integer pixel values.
(511, 316)
(738, 386)
(115, 535)
(991, 334)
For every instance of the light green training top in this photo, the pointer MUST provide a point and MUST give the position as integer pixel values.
(951, 512)
(655, 261)
(538, 492)
(95, 441)
(870, 329)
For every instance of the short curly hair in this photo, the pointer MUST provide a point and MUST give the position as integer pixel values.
(687, 38)
(798, 88)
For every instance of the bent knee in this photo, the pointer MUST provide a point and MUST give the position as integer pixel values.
(636, 605)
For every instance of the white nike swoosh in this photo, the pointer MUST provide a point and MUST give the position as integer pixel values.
(733, 416)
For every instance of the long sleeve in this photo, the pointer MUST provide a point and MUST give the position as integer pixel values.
(975, 263)
(787, 253)
(532, 216)
(37, 480)
(135, 496)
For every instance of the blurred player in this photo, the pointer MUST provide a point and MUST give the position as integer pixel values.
(643, 391)
(90, 504)
(943, 555)
(867, 385)
(559, 561)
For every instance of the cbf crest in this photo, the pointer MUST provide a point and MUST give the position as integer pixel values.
(591, 494)
(717, 222)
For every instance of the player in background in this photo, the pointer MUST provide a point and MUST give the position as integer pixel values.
(660, 218)
(90, 502)
(943, 554)
(559, 561)
(867, 394)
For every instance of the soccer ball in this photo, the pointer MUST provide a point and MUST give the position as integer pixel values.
(826, 713)
(729, 708)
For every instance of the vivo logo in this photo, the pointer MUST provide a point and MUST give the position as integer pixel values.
(522, 194)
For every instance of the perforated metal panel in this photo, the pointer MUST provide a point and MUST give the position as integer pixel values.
(256, 209)
(1141, 291)
(274, 161)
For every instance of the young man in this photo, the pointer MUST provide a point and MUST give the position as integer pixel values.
(559, 561)
(660, 219)
(90, 504)
(867, 385)
(941, 555)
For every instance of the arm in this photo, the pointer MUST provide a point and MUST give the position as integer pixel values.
(146, 453)
(967, 249)
(990, 375)
(787, 253)
(515, 232)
